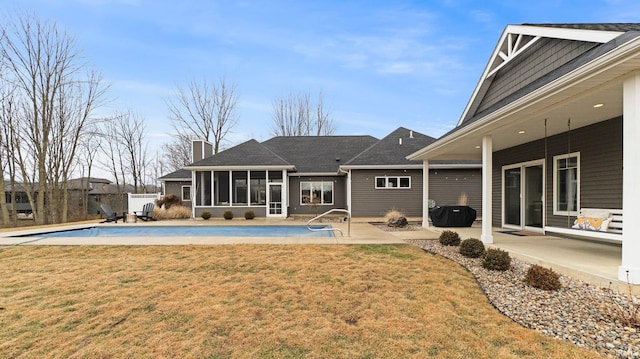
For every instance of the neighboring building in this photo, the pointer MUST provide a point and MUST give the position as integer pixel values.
(94, 190)
(309, 175)
(555, 119)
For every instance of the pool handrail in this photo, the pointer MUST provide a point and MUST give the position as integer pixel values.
(348, 219)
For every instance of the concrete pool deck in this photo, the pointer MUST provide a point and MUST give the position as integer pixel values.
(362, 232)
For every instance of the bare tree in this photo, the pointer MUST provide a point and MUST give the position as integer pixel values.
(126, 150)
(295, 115)
(204, 110)
(7, 161)
(55, 103)
(177, 154)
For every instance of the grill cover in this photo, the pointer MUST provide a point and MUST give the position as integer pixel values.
(452, 216)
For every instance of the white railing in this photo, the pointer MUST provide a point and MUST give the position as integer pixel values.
(347, 218)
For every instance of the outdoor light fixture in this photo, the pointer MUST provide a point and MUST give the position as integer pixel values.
(598, 105)
(477, 147)
(521, 132)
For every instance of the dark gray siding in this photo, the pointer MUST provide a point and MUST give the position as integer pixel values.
(600, 147)
(175, 187)
(339, 195)
(367, 201)
(447, 185)
(238, 212)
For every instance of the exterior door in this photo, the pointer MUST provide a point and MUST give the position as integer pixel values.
(523, 200)
(274, 204)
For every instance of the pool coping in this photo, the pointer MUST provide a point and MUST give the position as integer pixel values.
(361, 233)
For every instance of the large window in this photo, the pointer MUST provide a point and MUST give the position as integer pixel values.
(240, 188)
(203, 188)
(316, 192)
(258, 187)
(566, 188)
(221, 188)
(393, 182)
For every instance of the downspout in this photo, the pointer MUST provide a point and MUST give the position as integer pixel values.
(348, 173)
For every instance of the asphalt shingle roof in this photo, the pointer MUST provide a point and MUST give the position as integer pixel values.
(319, 154)
(393, 149)
(177, 175)
(250, 153)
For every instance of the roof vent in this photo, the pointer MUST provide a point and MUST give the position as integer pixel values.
(337, 159)
(400, 140)
(410, 134)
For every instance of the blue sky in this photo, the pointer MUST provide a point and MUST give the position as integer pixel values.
(380, 64)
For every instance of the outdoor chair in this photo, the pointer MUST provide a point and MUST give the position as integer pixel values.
(110, 214)
(146, 213)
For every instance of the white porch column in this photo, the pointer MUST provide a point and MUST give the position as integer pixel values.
(284, 192)
(630, 175)
(487, 169)
(425, 193)
(349, 192)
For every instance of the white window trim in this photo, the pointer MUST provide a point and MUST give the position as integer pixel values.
(387, 182)
(182, 193)
(555, 187)
(322, 203)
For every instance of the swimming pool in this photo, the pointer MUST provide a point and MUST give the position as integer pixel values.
(188, 231)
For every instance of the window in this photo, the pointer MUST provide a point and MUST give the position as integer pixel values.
(186, 193)
(239, 188)
(221, 188)
(318, 192)
(393, 182)
(258, 187)
(566, 188)
(203, 188)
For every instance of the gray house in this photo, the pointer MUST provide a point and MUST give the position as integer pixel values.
(555, 119)
(309, 175)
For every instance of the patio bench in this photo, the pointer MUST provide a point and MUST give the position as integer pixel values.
(613, 232)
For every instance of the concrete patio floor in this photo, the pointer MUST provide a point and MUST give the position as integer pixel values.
(590, 261)
(593, 262)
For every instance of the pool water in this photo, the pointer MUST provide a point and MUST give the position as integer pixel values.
(190, 231)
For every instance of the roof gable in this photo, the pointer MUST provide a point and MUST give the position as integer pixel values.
(392, 149)
(529, 56)
(318, 154)
(250, 153)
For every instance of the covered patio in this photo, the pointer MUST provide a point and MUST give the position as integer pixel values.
(556, 135)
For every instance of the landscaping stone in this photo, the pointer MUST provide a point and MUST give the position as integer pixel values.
(578, 313)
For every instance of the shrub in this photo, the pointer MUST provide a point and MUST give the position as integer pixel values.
(496, 259)
(472, 248)
(205, 215)
(449, 238)
(542, 278)
(249, 215)
(169, 201)
(175, 212)
(227, 215)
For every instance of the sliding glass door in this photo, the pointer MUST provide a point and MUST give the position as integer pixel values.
(523, 200)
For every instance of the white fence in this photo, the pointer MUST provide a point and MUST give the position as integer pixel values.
(138, 200)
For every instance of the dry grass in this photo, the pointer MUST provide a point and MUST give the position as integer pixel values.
(392, 214)
(174, 212)
(252, 301)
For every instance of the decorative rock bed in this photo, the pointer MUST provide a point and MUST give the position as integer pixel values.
(578, 313)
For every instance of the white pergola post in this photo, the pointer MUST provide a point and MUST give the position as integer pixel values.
(425, 193)
(630, 175)
(487, 169)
